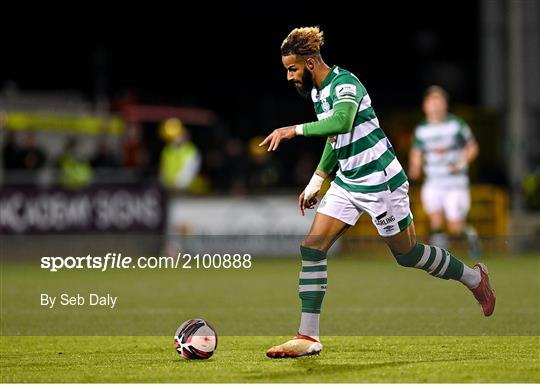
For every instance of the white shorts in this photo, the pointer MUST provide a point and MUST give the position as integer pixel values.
(389, 211)
(454, 203)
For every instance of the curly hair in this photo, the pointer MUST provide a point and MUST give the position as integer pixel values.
(304, 41)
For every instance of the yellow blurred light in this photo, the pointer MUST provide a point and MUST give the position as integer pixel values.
(254, 149)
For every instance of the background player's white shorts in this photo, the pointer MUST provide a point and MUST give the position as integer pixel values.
(455, 203)
(389, 211)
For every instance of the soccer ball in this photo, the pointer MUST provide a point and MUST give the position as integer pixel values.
(195, 339)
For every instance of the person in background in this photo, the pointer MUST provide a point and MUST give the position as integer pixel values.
(73, 172)
(445, 146)
(180, 159)
(133, 152)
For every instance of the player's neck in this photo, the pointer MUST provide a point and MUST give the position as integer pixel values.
(320, 73)
(435, 119)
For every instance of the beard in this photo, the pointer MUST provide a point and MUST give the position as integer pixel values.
(304, 88)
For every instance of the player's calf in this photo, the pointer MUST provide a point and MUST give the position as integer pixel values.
(436, 261)
(439, 263)
(312, 288)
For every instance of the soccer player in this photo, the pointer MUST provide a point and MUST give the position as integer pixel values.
(445, 146)
(369, 178)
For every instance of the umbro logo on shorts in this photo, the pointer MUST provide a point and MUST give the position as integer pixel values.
(381, 222)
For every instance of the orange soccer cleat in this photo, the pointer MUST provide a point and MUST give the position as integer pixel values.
(299, 346)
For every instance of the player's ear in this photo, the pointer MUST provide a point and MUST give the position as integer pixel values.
(310, 64)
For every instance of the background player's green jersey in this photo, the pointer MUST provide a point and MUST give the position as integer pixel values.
(442, 146)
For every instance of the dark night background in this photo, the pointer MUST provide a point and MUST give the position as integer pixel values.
(227, 58)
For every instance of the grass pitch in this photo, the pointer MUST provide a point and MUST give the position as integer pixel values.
(380, 323)
(242, 359)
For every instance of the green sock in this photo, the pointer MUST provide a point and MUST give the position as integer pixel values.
(436, 261)
(312, 287)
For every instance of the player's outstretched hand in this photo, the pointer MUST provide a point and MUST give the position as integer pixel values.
(306, 204)
(279, 134)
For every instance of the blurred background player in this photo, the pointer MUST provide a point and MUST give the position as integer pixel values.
(445, 146)
(179, 164)
(369, 179)
(180, 159)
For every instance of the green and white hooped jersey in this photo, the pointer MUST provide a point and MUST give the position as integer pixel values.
(442, 145)
(367, 161)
